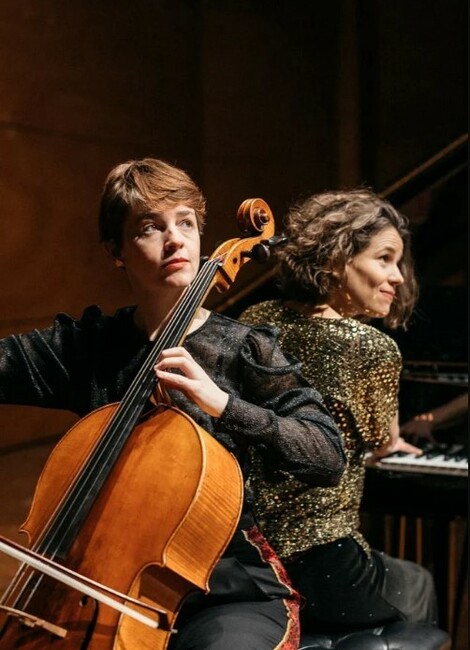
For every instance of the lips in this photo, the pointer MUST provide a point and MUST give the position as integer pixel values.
(389, 294)
(175, 262)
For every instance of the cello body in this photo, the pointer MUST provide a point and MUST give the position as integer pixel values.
(168, 506)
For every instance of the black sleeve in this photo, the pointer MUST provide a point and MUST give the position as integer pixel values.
(282, 415)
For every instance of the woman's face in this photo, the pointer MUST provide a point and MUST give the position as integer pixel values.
(161, 248)
(371, 277)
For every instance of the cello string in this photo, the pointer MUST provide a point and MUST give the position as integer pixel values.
(134, 400)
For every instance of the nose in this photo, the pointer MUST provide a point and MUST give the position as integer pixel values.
(173, 238)
(396, 276)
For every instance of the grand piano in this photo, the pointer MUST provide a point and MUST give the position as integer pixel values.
(416, 507)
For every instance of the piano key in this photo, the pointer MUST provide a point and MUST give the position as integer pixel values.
(439, 460)
(422, 463)
(457, 452)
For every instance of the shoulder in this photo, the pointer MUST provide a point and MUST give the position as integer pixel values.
(94, 325)
(374, 351)
(242, 329)
(256, 344)
(93, 317)
(263, 312)
(64, 323)
(373, 339)
(66, 337)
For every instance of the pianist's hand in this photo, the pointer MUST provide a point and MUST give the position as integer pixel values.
(420, 426)
(399, 444)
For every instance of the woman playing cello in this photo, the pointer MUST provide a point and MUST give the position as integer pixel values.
(232, 379)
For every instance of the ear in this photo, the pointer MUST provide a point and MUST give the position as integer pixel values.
(337, 277)
(112, 251)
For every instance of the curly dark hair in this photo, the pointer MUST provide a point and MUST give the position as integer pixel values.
(139, 184)
(325, 231)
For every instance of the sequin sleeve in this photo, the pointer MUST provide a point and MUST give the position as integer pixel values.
(282, 415)
(377, 385)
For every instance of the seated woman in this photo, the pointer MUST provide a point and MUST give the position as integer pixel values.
(346, 260)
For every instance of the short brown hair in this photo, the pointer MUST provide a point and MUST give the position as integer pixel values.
(325, 231)
(140, 184)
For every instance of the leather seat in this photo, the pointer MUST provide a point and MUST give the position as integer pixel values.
(393, 636)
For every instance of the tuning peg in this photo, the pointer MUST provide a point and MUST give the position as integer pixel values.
(261, 252)
(276, 240)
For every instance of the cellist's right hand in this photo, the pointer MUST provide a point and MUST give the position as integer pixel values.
(192, 380)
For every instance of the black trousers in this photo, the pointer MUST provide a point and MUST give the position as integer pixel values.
(250, 605)
(257, 625)
(342, 588)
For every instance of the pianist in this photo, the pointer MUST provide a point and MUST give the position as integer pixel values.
(347, 260)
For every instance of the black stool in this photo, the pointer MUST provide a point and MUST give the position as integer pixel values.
(393, 636)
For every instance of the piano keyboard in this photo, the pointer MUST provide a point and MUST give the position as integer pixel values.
(439, 459)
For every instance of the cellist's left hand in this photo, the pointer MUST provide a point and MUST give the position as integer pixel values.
(194, 382)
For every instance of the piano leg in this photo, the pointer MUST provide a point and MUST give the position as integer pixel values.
(402, 525)
(458, 573)
(388, 529)
(419, 540)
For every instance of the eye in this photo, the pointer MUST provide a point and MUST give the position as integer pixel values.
(150, 227)
(387, 258)
(187, 223)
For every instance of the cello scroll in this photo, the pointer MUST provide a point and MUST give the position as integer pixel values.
(256, 222)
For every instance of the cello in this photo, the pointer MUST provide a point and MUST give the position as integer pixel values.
(84, 584)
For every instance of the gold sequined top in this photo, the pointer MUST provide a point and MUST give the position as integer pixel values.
(356, 369)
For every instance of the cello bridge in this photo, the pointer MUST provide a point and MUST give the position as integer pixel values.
(33, 621)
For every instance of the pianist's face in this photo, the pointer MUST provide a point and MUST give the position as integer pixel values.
(371, 277)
